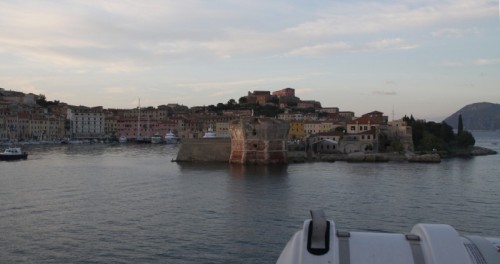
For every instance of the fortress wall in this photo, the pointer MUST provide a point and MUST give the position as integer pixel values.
(259, 141)
(205, 150)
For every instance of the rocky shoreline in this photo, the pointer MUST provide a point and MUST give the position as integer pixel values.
(301, 156)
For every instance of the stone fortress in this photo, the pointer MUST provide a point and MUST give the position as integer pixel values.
(254, 140)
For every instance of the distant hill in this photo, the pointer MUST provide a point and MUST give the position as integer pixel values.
(478, 116)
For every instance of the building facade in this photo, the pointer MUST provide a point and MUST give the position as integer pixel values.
(87, 123)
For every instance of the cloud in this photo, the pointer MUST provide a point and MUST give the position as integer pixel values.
(320, 49)
(455, 32)
(391, 44)
(120, 90)
(249, 83)
(385, 93)
(483, 62)
(371, 17)
(453, 64)
(148, 33)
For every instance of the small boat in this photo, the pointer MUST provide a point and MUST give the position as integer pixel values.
(320, 242)
(156, 139)
(171, 138)
(122, 139)
(13, 153)
(141, 140)
(210, 133)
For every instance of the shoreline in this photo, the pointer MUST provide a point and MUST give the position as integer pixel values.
(422, 157)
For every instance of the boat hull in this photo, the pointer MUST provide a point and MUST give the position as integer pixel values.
(14, 157)
(320, 242)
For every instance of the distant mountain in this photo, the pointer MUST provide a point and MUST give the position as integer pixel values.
(478, 116)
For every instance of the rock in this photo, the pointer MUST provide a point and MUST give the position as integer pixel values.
(366, 157)
(425, 158)
(480, 151)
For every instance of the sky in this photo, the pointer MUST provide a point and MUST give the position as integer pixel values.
(428, 58)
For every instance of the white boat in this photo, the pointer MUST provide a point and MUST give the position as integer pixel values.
(156, 139)
(122, 139)
(171, 138)
(320, 241)
(13, 153)
(210, 133)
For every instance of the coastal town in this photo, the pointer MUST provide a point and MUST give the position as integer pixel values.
(31, 118)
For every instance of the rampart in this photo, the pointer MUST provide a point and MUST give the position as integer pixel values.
(259, 141)
(205, 150)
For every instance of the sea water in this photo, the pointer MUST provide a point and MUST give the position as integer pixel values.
(127, 203)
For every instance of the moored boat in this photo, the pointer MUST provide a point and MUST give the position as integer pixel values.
(171, 138)
(210, 133)
(156, 139)
(13, 153)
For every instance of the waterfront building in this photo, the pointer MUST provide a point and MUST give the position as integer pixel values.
(398, 130)
(291, 116)
(369, 121)
(360, 142)
(222, 129)
(326, 127)
(111, 126)
(45, 128)
(345, 116)
(312, 127)
(326, 142)
(86, 123)
(297, 131)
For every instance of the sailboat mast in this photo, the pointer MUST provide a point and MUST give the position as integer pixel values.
(139, 120)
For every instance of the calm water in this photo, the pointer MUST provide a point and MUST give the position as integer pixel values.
(130, 204)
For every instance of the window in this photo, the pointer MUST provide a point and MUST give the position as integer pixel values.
(353, 128)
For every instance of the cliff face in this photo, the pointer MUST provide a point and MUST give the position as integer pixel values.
(259, 141)
(478, 116)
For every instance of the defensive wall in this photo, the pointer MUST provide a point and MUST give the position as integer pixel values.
(259, 141)
(253, 141)
(205, 150)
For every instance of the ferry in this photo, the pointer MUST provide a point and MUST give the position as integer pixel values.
(320, 242)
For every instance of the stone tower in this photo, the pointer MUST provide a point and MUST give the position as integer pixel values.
(259, 141)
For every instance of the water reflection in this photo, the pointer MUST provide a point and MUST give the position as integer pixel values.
(241, 171)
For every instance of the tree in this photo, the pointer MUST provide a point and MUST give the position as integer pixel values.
(465, 139)
(242, 100)
(340, 129)
(41, 100)
(460, 125)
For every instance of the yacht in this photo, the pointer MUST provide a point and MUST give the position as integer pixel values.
(210, 133)
(171, 138)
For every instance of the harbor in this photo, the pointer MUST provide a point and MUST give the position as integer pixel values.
(128, 203)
